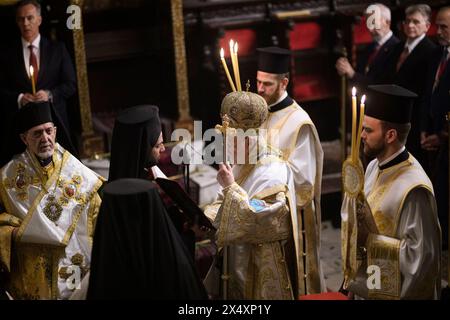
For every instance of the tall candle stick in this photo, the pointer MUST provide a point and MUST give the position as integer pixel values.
(353, 123)
(33, 85)
(233, 61)
(238, 75)
(361, 118)
(225, 67)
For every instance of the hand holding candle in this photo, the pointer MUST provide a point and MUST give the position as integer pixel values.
(227, 72)
(33, 85)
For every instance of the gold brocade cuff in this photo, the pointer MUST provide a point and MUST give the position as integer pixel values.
(5, 247)
(231, 186)
(384, 253)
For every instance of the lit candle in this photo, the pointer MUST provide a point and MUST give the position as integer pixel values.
(233, 61)
(225, 67)
(353, 124)
(361, 117)
(33, 86)
(238, 75)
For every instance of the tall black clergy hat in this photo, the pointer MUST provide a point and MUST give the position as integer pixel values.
(143, 115)
(32, 115)
(274, 60)
(390, 103)
(136, 131)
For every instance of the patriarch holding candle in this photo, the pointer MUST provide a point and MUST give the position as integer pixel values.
(396, 228)
(258, 226)
(255, 214)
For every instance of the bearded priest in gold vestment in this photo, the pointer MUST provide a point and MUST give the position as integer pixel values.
(405, 253)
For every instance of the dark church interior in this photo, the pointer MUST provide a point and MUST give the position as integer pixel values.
(166, 53)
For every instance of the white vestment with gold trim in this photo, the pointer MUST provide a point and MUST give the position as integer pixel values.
(408, 247)
(55, 218)
(257, 220)
(292, 131)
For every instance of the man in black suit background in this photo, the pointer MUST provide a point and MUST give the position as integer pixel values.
(54, 76)
(408, 68)
(371, 63)
(434, 137)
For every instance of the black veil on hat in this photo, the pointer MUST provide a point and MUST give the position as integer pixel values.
(274, 60)
(390, 103)
(136, 131)
(137, 252)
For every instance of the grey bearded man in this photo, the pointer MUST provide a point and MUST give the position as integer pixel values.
(51, 204)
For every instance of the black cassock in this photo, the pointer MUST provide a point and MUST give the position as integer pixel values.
(137, 252)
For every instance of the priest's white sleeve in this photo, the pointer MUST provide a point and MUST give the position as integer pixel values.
(420, 246)
(302, 161)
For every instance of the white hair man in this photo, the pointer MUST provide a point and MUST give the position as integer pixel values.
(371, 64)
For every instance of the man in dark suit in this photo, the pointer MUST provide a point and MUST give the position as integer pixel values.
(408, 68)
(54, 75)
(436, 106)
(372, 62)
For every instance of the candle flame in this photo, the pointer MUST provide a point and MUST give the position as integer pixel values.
(222, 53)
(31, 70)
(231, 44)
(354, 91)
(363, 99)
(236, 47)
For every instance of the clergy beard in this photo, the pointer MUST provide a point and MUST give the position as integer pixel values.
(151, 161)
(45, 161)
(375, 151)
(45, 155)
(273, 97)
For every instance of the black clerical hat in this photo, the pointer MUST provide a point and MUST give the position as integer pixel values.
(274, 60)
(135, 133)
(143, 115)
(32, 115)
(390, 103)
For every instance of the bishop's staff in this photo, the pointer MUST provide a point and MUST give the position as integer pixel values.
(225, 275)
(448, 262)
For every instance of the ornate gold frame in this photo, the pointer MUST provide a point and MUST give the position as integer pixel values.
(93, 144)
(184, 120)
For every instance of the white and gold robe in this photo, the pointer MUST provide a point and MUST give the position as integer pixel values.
(292, 131)
(257, 219)
(408, 247)
(55, 216)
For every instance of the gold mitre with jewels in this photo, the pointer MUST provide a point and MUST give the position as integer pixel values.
(245, 110)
